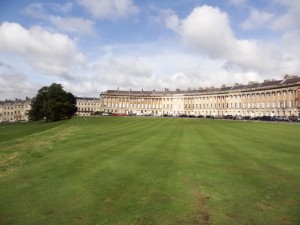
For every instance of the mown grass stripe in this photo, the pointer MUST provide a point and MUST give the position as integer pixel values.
(167, 171)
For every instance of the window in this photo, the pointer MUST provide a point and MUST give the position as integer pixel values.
(284, 104)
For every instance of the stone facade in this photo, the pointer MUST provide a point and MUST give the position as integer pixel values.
(16, 110)
(87, 106)
(269, 98)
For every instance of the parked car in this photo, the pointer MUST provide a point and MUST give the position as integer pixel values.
(218, 117)
(228, 117)
(294, 118)
(246, 118)
(266, 118)
(281, 119)
(255, 118)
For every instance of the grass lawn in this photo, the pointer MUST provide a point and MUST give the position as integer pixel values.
(141, 171)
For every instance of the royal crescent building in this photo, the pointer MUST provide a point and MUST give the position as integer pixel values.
(268, 98)
(87, 106)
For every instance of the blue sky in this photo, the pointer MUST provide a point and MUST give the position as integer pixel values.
(90, 46)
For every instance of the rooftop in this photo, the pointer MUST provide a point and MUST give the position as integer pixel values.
(288, 80)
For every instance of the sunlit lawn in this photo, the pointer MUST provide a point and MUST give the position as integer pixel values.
(138, 171)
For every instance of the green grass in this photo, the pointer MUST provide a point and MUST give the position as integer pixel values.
(140, 171)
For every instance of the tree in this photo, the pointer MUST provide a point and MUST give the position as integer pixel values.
(52, 103)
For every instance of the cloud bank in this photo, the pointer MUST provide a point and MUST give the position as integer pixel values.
(46, 52)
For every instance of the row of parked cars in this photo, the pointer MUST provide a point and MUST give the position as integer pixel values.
(278, 118)
(230, 117)
(257, 118)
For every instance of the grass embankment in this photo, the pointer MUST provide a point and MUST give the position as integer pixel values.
(121, 171)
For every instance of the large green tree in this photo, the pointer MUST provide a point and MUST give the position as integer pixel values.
(52, 103)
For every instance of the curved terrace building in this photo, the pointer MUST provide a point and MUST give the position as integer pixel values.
(269, 98)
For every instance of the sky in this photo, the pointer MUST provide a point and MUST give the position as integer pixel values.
(90, 46)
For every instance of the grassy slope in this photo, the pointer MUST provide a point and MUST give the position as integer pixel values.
(150, 171)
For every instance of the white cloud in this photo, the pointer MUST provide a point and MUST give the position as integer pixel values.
(290, 19)
(168, 17)
(291, 55)
(15, 85)
(258, 19)
(63, 8)
(73, 24)
(109, 9)
(77, 25)
(284, 54)
(284, 17)
(207, 30)
(124, 73)
(49, 53)
(169, 68)
(36, 10)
